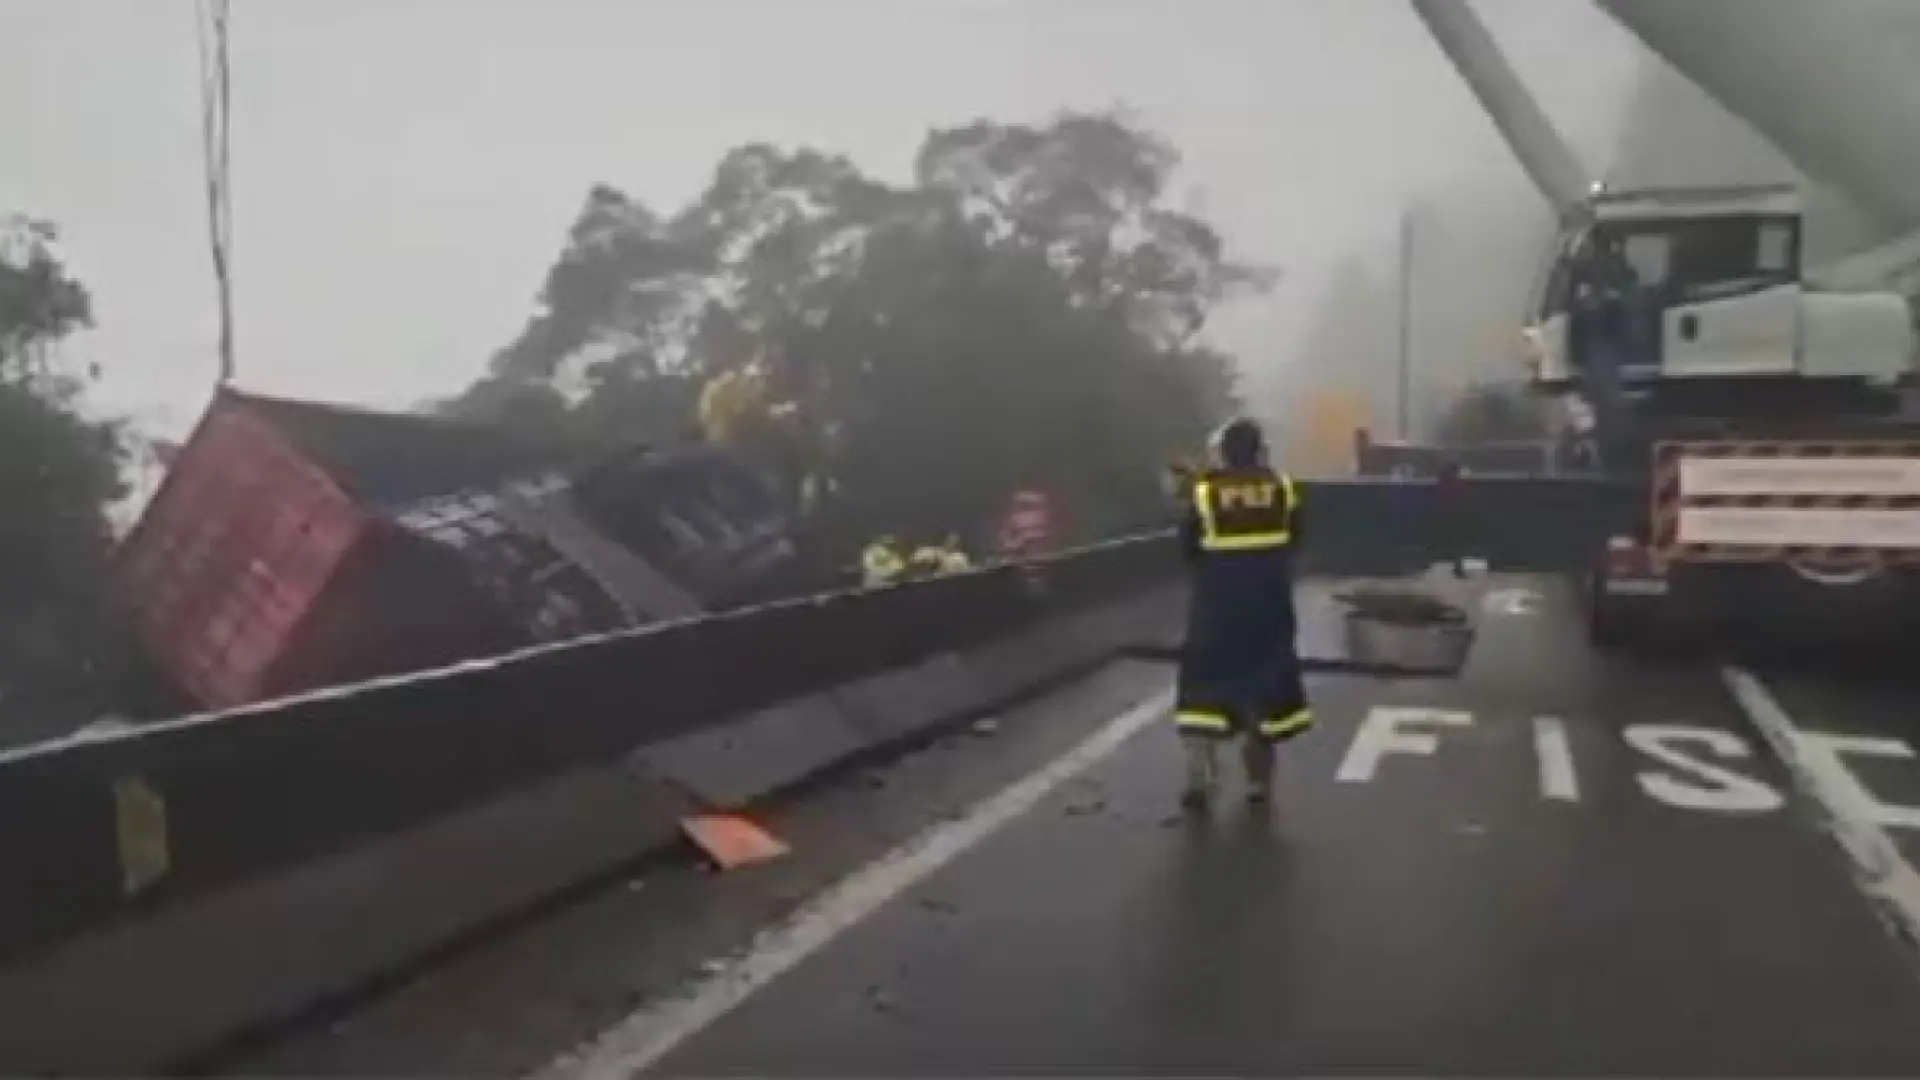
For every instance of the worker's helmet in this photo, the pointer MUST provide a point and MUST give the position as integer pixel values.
(1239, 444)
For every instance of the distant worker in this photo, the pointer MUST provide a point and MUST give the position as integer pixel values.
(731, 402)
(1027, 529)
(881, 563)
(1602, 271)
(1239, 672)
(935, 560)
(1450, 514)
(926, 561)
(1609, 312)
(953, 558)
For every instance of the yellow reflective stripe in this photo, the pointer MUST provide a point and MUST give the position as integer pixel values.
(1201, 720)
(1294, 721)
(1210, 538)
(1246, 542)
(1203, 504)
(881, 565)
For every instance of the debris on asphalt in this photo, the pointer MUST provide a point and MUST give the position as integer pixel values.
(1399, 606)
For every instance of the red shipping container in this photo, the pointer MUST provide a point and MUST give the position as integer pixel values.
(239, 542)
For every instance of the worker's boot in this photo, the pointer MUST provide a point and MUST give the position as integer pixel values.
(1257, 755)
(1203, 771)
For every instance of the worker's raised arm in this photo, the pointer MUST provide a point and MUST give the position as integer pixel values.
(1295, 518)
(1189, 529)
(1180, 480)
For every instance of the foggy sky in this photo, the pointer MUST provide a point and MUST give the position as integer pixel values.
(404, 170)
(1673, 135)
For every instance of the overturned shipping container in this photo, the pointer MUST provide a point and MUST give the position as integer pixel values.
(295, 545)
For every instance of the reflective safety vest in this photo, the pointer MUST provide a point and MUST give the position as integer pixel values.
(1249, 510)
(926, 560)
(730, 400)
(880, 565)
(940, 560)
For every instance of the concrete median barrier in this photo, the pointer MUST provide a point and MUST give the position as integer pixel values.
(1011, 667)
(193, 878)
(893, 706)
(733, 764)
(247, 793)
(201, 877)
(147, 995)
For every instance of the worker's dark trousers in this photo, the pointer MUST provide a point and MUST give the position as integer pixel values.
(1239, 671)
(1447, 527)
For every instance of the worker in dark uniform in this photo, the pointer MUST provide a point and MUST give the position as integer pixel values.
(881, 563)
(1239, 673)
(1449, 514)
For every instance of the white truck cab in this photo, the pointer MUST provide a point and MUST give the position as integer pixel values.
(1709, 286)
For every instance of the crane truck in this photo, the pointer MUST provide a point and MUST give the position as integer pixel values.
(1762, 425)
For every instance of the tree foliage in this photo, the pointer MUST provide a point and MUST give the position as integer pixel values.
(40, 303)
(1027, 310)
(58, 470)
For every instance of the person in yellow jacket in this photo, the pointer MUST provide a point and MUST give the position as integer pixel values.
(881, 563)
(741, 408)
(926, 561)
(733, 400)
(1240, 673)
(934, 560)
(953, 560)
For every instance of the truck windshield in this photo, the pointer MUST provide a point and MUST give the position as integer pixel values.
(1689, 260)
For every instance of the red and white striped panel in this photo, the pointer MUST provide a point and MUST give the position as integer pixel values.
(1835, 502)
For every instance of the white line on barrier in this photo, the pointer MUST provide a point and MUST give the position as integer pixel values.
(636, 1043)
(1889, 881)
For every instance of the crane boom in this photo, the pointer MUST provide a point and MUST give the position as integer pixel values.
(1832, 85)
(1547, 158)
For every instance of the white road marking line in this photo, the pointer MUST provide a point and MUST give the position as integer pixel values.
(1381, 733)
(1838, 748)
(636, 1043)
(1886, 877)
(1557, 780)
(1694, 774)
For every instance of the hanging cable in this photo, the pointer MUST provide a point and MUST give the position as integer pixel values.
(216, 95)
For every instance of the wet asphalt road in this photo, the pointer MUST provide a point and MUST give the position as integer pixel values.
(1871, 718)
(1656, 899)
(1454, 913)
